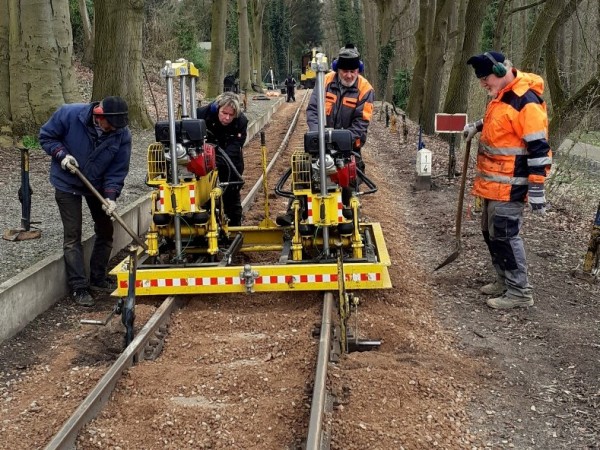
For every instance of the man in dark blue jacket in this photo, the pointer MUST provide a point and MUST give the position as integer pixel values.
(94, 138)
(226, 127)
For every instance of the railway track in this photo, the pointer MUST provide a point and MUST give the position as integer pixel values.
(250, 350)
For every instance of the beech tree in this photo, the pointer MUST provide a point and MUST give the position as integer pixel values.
(244, 46)
(36, 72)
(118, 56)
(218, 30)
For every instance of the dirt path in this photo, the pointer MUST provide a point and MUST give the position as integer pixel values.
(538, 385)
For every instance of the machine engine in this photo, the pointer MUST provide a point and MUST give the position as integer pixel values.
(194, 157)
(340, 165)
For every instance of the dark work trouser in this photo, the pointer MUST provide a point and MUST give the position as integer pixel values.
(291, 95)
(500, 225)
(232, 204)
(232, 200)
(69, 206)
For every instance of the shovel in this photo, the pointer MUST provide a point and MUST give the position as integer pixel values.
(459, 209)
(114, 215)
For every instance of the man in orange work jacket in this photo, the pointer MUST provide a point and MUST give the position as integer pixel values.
(513, 161)
(348, 102)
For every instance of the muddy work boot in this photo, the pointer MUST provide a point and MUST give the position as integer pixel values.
(106, 285)
(507, 301)
(496, 288)
(82, 297)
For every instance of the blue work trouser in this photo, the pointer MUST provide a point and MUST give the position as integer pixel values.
(69, 206)
(500, 225)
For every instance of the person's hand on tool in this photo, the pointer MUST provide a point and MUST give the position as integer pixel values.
(537, 199)
(471, 129)
(110, 206)
(69, 163)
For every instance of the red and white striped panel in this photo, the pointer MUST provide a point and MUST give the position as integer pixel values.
(161, 198)
(265, 279)
(192, 198)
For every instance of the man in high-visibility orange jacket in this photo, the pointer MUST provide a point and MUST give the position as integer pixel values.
(348, 102)
(513, 161)
(348, 105)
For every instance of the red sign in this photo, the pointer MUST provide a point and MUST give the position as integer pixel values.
(450, 123)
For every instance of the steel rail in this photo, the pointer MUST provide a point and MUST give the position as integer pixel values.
(315, 438)
(249, 199)
(99, 396)
(95, 401)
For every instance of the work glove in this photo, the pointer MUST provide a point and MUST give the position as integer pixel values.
(471, 129)
(110, 206)
(69, 163)
(537, 198)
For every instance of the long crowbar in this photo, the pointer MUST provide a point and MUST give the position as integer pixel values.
(118, 218)
(459, 209)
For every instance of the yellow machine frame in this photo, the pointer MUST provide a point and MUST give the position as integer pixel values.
(196, 204)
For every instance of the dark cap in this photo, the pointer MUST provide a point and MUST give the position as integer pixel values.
(484, 64)
(348, 58)
(115, 111)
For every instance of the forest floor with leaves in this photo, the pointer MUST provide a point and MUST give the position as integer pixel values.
(539, 381)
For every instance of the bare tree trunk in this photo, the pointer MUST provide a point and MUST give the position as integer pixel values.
(539, 34)
(568, 112)
(417, 85)
(4, 62)
(244, 45)
(574, 58)
(499, 28)
(258, 11)
(435, 65)
(88, 34)
(386, 39)
(457, 96)
(40, 71)
(457, 100)
(118, 56)
(216, 73)
(370, 53)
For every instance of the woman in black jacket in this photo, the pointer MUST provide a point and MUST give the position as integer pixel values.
(227, 126)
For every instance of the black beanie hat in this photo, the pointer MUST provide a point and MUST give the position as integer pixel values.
(115, 111)
(484, 65)
(348, 58)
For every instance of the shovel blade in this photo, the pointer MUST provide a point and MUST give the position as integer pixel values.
(449, 259)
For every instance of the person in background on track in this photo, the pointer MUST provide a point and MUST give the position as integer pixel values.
(227, 128)
(513, 161)
(95, 139)
(290, 84)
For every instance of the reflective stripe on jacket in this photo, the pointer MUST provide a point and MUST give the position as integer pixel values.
(513, 148)
(348, 108)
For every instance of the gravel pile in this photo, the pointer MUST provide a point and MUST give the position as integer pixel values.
(20, 255)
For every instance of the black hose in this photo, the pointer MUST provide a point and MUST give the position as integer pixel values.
(231, 168)
(279, 188)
